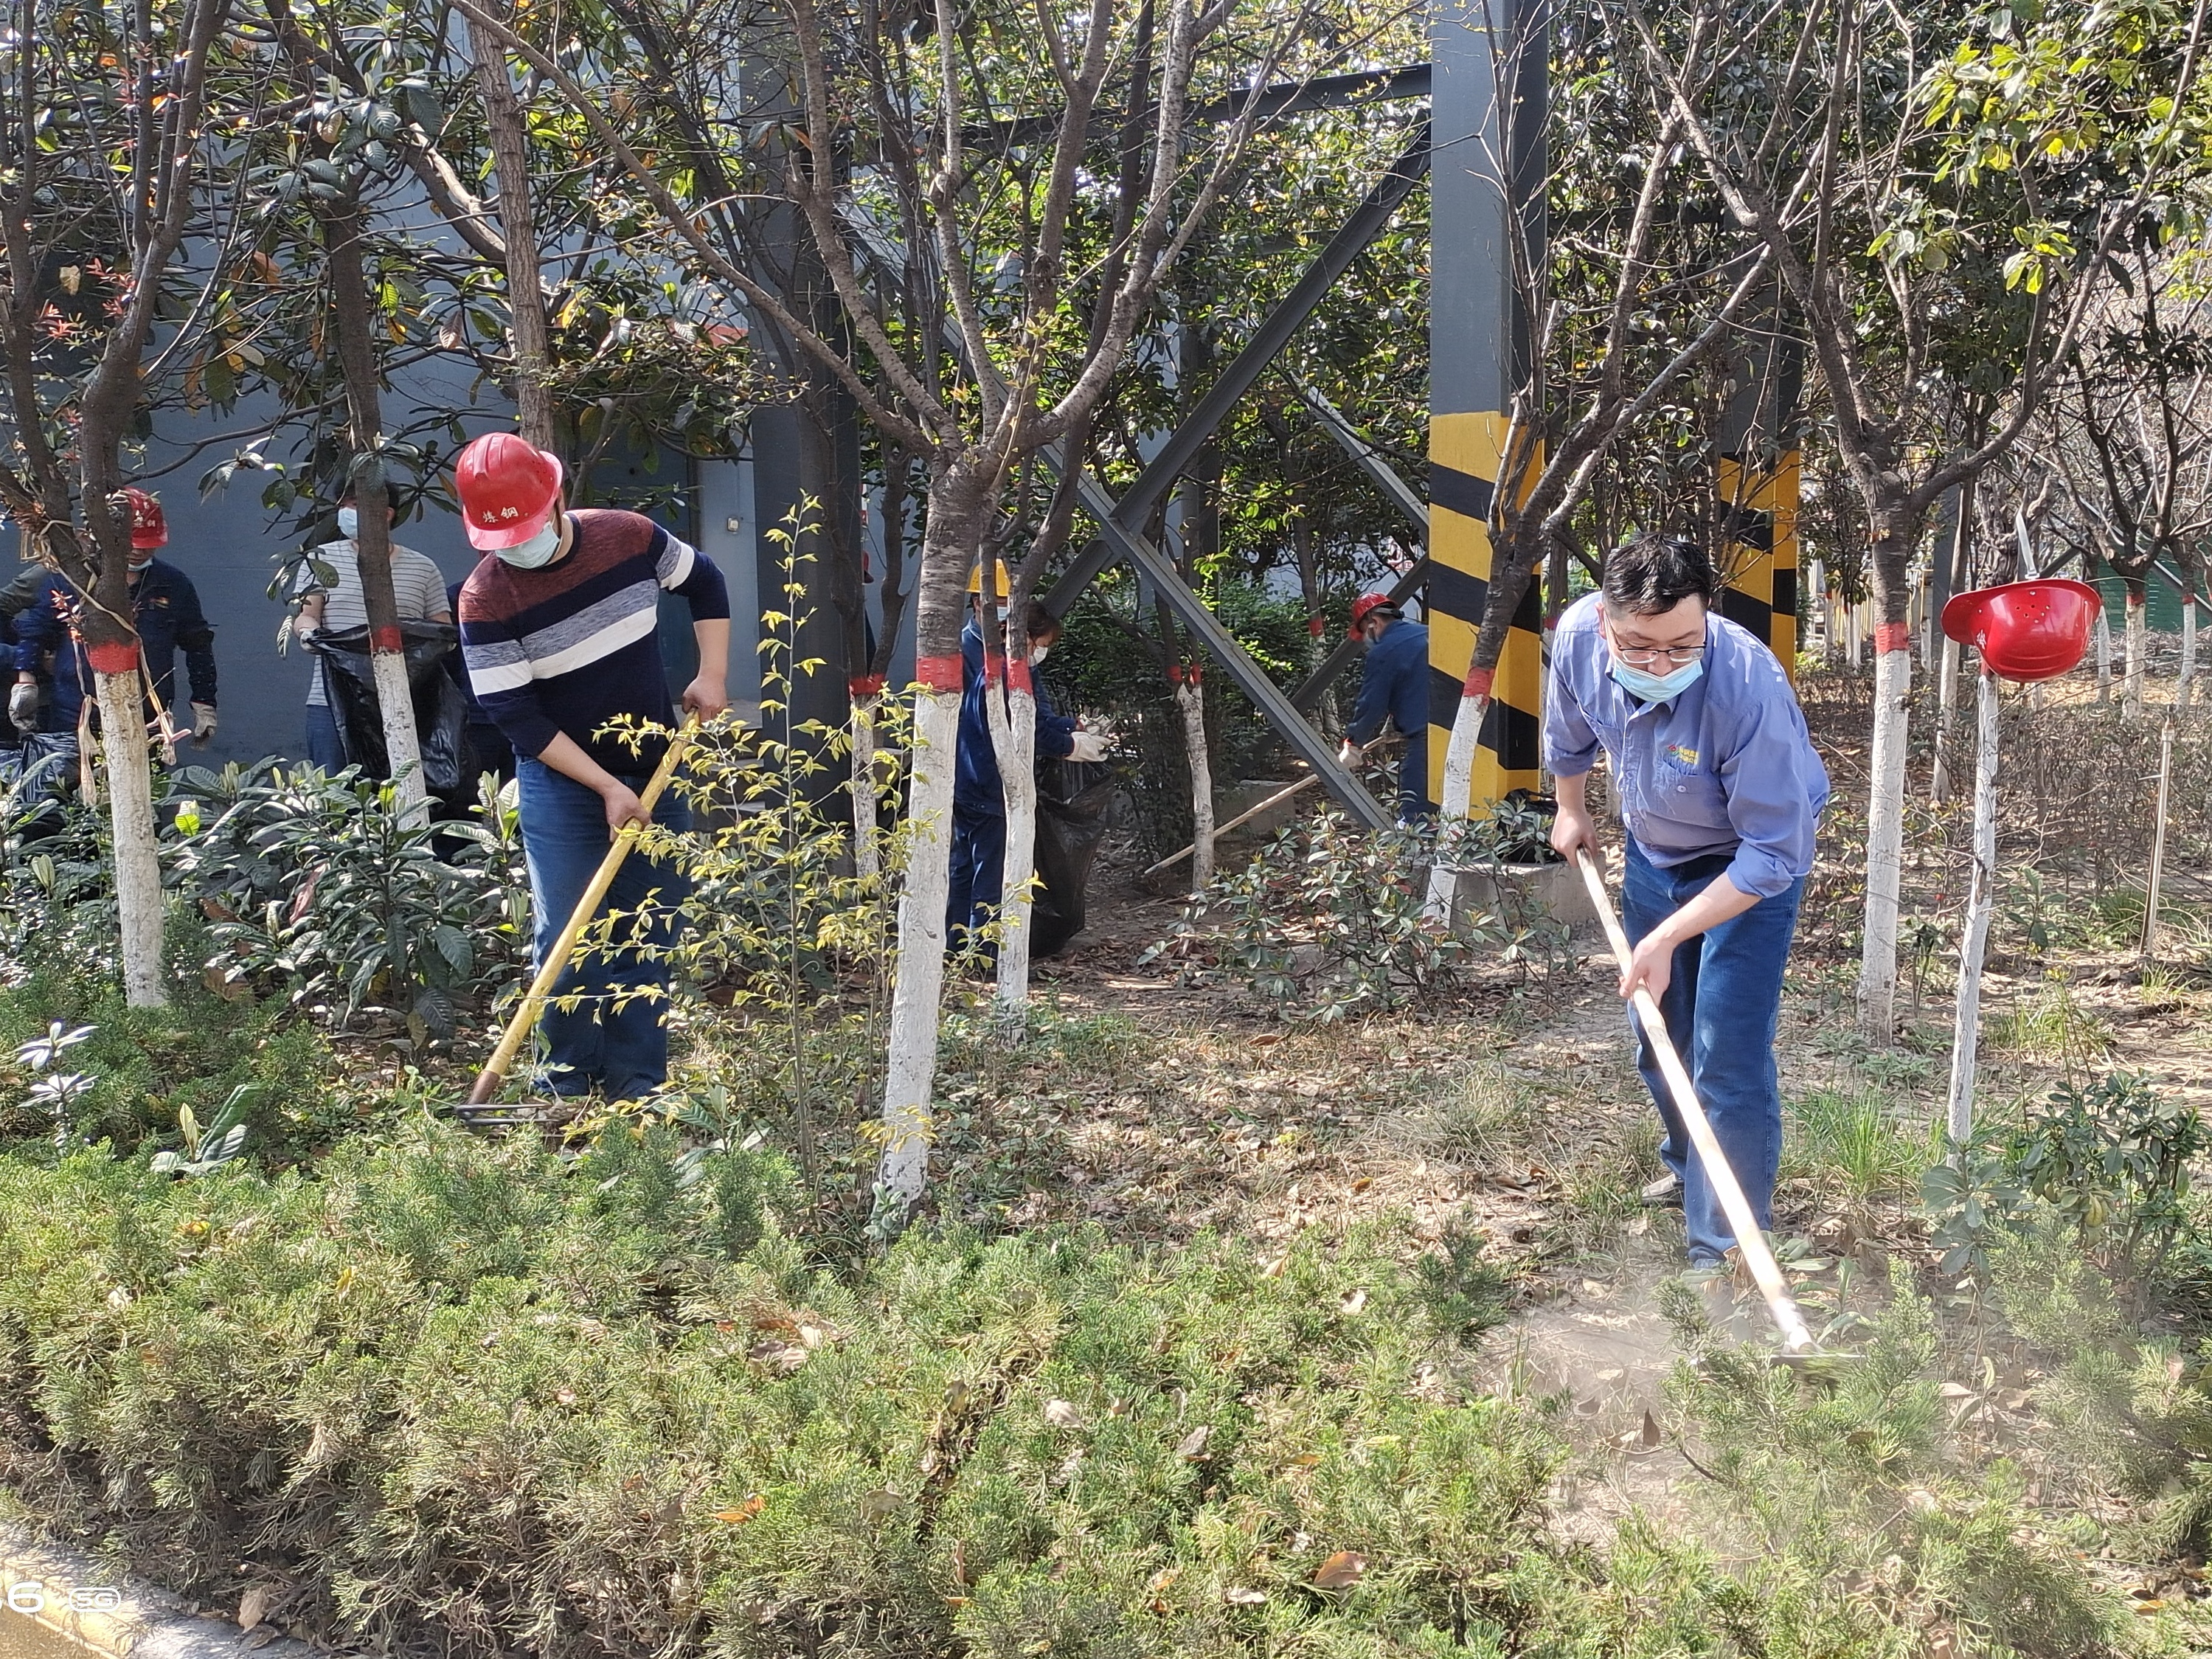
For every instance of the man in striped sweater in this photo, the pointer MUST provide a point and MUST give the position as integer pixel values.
(560, 636)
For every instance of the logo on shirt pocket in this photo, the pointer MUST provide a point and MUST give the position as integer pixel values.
(1681, 755)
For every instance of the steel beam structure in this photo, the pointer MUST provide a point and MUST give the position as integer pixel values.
(1385, 477)
(1251, 679)
(1368, 220)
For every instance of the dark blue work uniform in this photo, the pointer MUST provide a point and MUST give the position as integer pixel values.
(166, 608)
(979, 800)
(1394, 686)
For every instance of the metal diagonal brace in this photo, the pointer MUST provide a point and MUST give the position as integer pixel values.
(1221, 644)
(1368, 220)
(1385, 477)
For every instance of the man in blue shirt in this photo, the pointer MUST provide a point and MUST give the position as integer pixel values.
(166, 609)
(1721, 796)
(1394, 686)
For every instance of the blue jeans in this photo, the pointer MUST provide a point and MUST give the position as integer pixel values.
(1722, 1006)
(979, 874)
(324, 749)
(614, 1042)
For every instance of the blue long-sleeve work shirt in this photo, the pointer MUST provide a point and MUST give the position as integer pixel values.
(166, 608)
(1394, 684)
(976, 789)
(1726, 765)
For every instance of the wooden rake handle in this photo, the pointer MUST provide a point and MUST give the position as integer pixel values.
(556, 959)
(1757, 1256)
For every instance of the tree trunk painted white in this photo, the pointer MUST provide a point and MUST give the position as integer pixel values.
(1893, 691)
(130, 811)
(908, 1128)
(2131, 703)
(1013, 736)
(1190, 698)
(395, 703)
(1459, 793)
(1856, 633)
(1981, 899)
(2103, 658)
(1816, 585)
(867, 854)
(2185, 684)
(1947, 702)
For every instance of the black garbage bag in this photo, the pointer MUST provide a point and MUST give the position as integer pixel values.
(36, 778)
(1068, 831)
(442, 712)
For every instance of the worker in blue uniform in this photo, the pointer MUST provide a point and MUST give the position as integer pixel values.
(1394, 689)
(166, 609)
(979, 800)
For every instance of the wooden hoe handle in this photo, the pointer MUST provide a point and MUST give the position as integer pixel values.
(556, 959)
(1795, 1337)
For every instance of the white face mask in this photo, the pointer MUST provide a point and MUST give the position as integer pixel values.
(538, 550)
(350, 522)
(1038, 653)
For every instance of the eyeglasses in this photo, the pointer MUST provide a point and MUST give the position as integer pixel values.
(1677, 654)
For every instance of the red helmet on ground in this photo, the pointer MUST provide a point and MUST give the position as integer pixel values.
(149, 529)
(2025, 630)
(508, 488)
(1366, 605)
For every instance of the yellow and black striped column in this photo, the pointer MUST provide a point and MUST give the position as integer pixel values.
(1464, 461)
(1759, 520)
(1490, 62)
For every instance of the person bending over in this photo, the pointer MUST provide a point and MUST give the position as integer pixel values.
(559, 633)
(1721, 796)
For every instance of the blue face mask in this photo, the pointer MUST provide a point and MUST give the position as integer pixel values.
(1657, 688)
(349, 522)
(538, 551)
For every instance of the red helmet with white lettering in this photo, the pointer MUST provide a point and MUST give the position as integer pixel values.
(508, 489)
(149, 529)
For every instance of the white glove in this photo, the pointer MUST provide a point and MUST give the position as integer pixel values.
(1088, 746)
(202, 721)
(23, 705)
(1350, 754)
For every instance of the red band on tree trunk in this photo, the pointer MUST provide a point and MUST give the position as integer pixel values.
(1892, 636)
(1316, 626)
(121, 658)
(864, 685)
(1175, 674)
(939, 673)
(1018, 676)
(388, 642)
(1478, 682)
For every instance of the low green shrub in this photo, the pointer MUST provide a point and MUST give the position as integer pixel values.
(1328, 922)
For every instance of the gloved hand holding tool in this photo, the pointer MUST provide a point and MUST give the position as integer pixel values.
(202, 721)
(1089, 747)
(23, 704)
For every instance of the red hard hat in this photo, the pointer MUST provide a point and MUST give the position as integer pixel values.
(1365, 605)
(507, 489)
(2025, 630)
(147, 527)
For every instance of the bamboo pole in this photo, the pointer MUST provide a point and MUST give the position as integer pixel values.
(2158, 840)
(1750, 1239)
(1981, 898)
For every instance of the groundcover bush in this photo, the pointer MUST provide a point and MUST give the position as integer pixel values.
(443, 1395)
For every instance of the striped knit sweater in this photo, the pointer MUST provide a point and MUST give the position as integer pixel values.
(574, 645)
